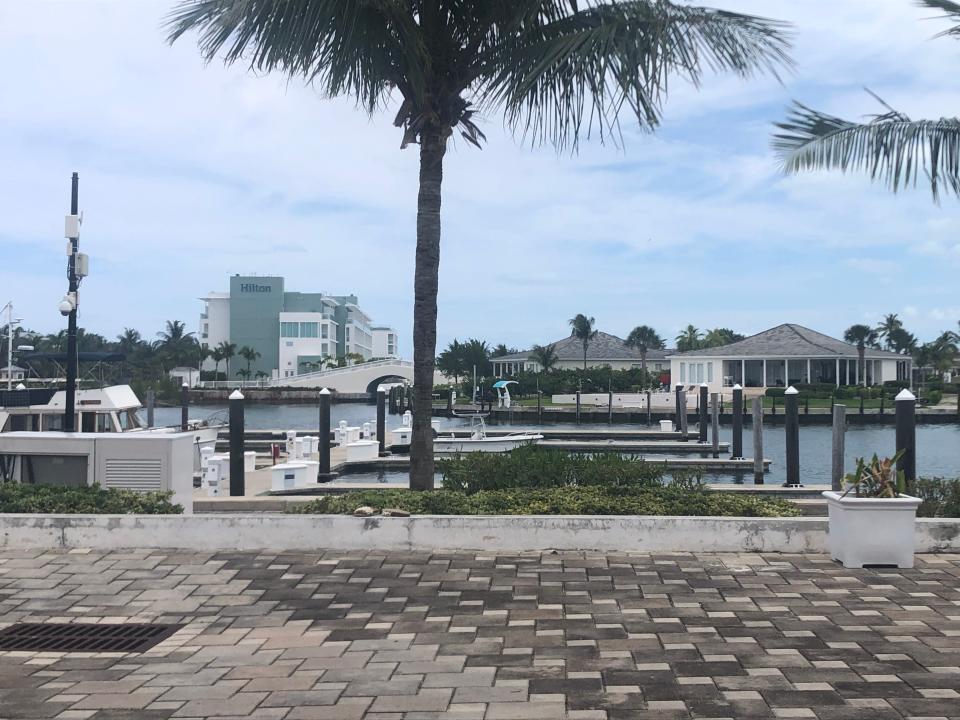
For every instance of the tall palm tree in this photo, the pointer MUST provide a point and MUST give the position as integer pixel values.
(249, 354)
(582, 329)
(545, 356)
(644, 338)
(557, 69)
(689, 339)
(887, 327)
(228, 351)
(890, 146)
(129, 341)
(174, 341)
(861, 336)
(216, 354)
(901, 341)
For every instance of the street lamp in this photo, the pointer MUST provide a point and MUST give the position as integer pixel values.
(11, 323)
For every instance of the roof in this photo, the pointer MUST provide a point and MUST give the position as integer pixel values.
(603, 347)
(789, 340)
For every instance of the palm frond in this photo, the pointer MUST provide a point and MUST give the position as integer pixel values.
(344, 47)
(951, 8)
(891, 147)
(552, 76)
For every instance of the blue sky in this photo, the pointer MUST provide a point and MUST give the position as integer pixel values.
(191, 172)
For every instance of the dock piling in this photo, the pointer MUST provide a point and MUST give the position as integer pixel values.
(649, 410)
(757, 418)
(737, 422)
(151, 402)
(678, 392)
(791, 425)
(184, 407)
(237, 440)
(906, 419)
(684, 419)
(578, 407)
(715, 423)
(704, 390)
(323, 472)
(839, 446)
(382, 419)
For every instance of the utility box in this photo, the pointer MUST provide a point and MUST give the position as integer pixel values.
(141, 462)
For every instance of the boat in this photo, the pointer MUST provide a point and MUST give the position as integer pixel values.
(478, 441)
(113, 409)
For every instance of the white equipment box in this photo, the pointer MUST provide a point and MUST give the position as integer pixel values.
(129, 461)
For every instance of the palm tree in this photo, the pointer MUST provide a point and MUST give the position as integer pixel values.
(689, 339)
(248, 354)
(861, 336)
(718, 337)
(243, 373)
(890, 146)
(901, 341)
(545, 356)
(129, 341)
(216, 354)
(228, 351)
(887, 327)
(556, 68)
(582, 329)
(644, 338)
(174, 341)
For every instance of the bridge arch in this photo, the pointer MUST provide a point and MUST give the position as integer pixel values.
(376, 382)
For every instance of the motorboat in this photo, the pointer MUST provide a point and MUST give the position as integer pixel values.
(478, 441)
(113, 409)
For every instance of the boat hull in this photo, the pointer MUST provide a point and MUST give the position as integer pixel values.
(454, 446)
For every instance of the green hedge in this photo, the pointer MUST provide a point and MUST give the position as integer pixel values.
(537, 467)
(19, 498)
(941, 497)
(593, 500)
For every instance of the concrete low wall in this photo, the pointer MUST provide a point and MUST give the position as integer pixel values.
(434, 532)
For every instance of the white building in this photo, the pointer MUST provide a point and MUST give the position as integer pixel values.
(188, 375)
(786, 355)
(384, 342)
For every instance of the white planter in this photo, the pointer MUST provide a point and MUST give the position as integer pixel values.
(872, 531)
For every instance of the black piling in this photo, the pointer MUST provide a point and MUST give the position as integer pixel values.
(703, 412)
(381, 420)
(792, 428)
(323, 472)
(237, 479)
(906, 420)
(184, 407)
(737, 422)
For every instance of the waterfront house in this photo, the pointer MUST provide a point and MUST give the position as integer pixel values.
(786, 355)
(605, 350)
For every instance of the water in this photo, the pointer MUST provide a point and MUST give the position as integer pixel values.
(938, 446)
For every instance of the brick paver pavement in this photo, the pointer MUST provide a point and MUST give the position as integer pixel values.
(308, 636)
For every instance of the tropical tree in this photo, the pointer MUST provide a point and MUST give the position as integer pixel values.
(689, 339)
(476, 354)
(887, 327)
(175, 342)
(890, 147)
(228, 351)
(129, 341)
(249, 354)
(501, 349)
(900, 341)
(216, 354)
(861, 336)
(243, 373)
(545, 356)
(581, 327)
(644, 338)
(718, 337)
(556, 68)
(450, 361)
(260, 375)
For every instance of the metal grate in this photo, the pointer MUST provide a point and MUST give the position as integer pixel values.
(84, 637)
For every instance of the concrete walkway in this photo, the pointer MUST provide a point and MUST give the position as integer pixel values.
(406, 636)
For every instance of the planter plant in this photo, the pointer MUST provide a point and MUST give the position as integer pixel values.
(872, 521)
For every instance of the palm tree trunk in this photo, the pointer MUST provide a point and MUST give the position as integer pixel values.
(426, 272)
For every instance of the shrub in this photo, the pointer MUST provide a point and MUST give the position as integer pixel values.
(20, 498)
(934, 397)
(537, 467)
(776, 392)
(591, 500)
(941, 497)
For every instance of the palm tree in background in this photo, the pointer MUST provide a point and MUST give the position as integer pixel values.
(887, 327)
(689, 339)
(216, 354)
(250, 355)
(644, 338)
(545, 356)
(890, 146)
(228, 351)
(861, 336)
(557, 69)
(582, 329)
(718, 337)
(129, 341)
(901, 341)
(175, 342)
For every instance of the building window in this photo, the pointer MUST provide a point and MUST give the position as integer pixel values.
(709, 372)
(289, 344)
(309, 330)
(289, 329)
(683, 372)
(348, 334)
(325, 331)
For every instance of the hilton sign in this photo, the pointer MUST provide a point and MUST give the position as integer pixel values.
(254, 288)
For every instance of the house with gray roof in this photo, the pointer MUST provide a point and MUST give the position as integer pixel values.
(605, 350)
(788, 354)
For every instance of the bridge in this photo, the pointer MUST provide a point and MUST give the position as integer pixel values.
(354, 379)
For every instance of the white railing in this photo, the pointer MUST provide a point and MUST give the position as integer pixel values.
(334, 372)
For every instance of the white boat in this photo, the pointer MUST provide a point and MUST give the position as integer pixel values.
(479, 442)
(113, 409)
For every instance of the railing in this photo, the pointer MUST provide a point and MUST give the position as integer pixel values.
(333, 372)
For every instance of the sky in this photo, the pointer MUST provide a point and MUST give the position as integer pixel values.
(190, 172)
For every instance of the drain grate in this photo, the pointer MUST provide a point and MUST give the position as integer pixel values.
(84, 637)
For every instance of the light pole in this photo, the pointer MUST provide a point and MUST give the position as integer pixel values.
(11, 322)
(68, 306)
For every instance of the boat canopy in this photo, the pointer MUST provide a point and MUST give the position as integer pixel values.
(504, 383)
(81, 357)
